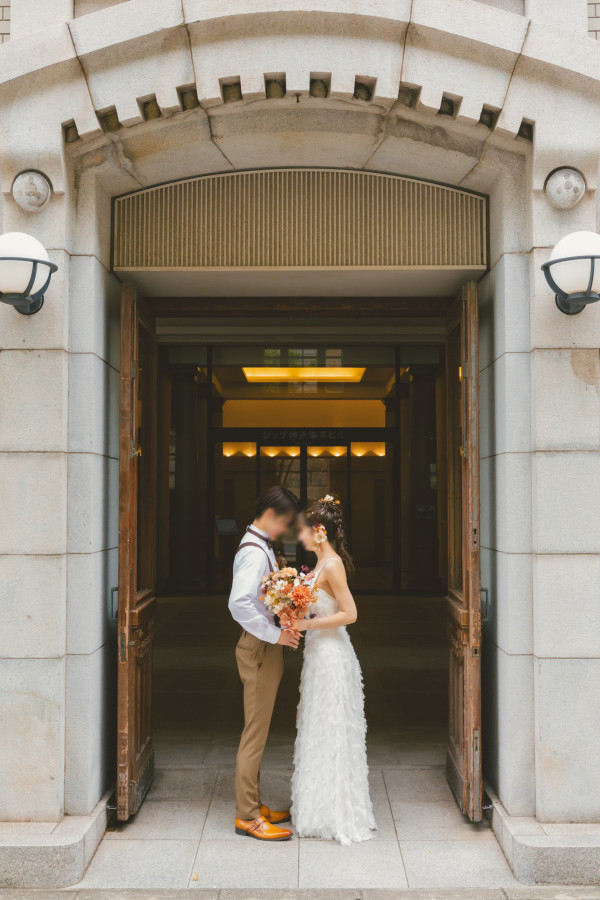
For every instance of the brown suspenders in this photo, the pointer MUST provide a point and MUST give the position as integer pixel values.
(260, 547)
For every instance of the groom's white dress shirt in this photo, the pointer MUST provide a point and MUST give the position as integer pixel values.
(245, 604)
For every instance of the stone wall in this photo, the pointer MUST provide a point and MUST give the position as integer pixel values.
(4, 20)
(594, 20)
(83, 7)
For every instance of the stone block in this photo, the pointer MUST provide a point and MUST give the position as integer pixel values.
(507, 610)
(34, 392)
(42, 73)
(505, 406)
(540, 855)
(567, 747)
(47, 329)
(93, 406)
(27, 17)
(51, 859)
(286, 137)
(502, 174)
(124, 22)
(123, 73)
(504, 309)
(93, 502)
(552, 13)
(141, 864)
(92, 237)
(508, 728)
(506, 502)
(32, 591)
(465, 66)
(85, 7)
(373, 864)
(32, 739)
(90, 752)
(89, 307)
(567, 502)
(90, 579)
(297, 42)
(567, 399)
(549, 224)
(185, 151)
(567, 612)
(33, 508)
(418, 150)
(549, 327)
(455, 864)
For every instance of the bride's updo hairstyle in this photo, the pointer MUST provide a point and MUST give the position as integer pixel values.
(328, 513)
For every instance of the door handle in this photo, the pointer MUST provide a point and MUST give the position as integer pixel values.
(485, 595)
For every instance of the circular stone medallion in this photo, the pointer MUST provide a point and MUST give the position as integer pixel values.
(31, 190)
(565, 188)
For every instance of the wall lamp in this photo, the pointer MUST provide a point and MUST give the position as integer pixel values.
(573, 271)
(25, 272)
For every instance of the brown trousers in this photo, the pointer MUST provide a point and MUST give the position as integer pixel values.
(260, 665)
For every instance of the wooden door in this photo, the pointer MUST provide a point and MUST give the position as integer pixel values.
(137, 516)
(463, 763)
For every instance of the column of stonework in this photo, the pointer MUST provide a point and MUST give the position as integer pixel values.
(57, 465)
(33, 537)
(566, 526)
(505, 451)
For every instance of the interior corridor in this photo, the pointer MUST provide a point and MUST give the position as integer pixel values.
(183, 835)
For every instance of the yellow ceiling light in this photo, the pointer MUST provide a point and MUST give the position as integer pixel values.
(280, 451)
(337, 374)
(368, 448)
(239, 448)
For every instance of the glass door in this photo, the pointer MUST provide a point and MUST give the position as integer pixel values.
(283, 465)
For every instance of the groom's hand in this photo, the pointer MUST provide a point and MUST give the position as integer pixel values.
(289, 638)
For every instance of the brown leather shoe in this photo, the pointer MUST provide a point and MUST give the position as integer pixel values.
(262, 830)
(274, 817)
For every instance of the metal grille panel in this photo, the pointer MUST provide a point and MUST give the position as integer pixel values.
(300, 218)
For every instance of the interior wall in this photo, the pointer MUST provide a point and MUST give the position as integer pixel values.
(296, 413)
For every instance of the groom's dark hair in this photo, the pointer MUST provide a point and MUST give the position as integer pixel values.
(280, 499)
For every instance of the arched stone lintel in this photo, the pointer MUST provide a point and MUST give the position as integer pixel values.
(485, 59)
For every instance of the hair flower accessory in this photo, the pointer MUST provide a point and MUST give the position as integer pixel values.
(328, 499)
(320, 533)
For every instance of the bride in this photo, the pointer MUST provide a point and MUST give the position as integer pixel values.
(330, 789)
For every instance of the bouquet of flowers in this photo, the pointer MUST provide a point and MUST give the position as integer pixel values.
(288, 594)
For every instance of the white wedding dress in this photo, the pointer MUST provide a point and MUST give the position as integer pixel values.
(330, 787)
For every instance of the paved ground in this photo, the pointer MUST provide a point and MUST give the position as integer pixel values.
(515, 893)
(183, 835)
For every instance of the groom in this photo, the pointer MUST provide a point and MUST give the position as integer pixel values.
(259, 655)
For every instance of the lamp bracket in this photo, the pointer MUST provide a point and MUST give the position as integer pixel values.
(572, 304)
(27, 303)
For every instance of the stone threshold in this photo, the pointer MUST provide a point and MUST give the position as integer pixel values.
(515, 893)
(544, 853)
(49, 854)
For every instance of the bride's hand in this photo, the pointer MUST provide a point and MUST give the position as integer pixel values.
(301, 624)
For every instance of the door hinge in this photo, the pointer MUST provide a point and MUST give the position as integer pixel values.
(475, 537)
(133, 369)
(123, 647)
(476, 739)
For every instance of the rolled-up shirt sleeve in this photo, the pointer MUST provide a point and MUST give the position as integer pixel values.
(249, 568)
